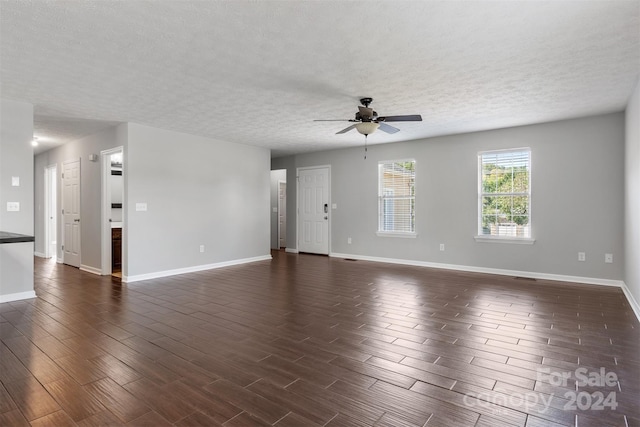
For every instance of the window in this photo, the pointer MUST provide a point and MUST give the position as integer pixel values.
(504, 194)
(396, 197)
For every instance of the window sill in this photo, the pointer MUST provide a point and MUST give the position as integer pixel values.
(396, 234)
(505, 239)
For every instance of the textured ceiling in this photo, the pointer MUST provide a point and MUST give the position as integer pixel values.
(259, 72)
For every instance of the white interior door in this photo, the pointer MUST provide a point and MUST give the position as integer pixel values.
(313, 210)
(282, 214)
(71, 212)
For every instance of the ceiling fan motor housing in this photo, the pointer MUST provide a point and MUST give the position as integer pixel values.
(361, 118)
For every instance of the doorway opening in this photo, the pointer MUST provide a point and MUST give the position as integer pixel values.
(279, 209)
(51, 212)
(112, 211)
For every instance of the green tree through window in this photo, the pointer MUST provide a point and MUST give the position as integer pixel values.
(504, 194)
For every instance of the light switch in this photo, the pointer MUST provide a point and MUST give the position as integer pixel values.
(15, 181)
(334, 206)
(13, 206)
(141, 206)
(275, 209)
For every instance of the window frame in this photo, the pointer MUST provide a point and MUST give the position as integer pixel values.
(382, 189)
(487, 238)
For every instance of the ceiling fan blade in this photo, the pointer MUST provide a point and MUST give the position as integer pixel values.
(333, 120)
(345, 130)
(365, 112)
(407, 118)
(387, 128)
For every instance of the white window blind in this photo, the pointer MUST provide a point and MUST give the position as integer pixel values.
(396, 196)
(504, 195)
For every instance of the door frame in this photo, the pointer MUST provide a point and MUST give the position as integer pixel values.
(282, 208)
(105, 212)
(50, 209)
(298, 198)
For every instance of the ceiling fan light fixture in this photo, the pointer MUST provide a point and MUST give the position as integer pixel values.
(367, 128)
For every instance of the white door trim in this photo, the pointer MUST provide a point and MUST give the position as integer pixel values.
(281, 209)
(105, 161)
(50, 210)
(328, 167)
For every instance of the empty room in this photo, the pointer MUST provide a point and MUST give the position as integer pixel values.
(320, 213)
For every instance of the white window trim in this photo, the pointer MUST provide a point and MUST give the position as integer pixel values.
(401, 234)
(485, 238)
(406, 234)
(505, 239)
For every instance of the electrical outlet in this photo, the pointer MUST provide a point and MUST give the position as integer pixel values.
(608, 258)
(201, 248)
(441, 247)
(349, 240)
(582, 256)
(13, 206)
(141, 207)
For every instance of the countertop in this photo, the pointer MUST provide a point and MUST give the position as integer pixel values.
(6, 237)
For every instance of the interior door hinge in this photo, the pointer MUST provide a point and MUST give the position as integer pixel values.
(62, 211)
(63, 247)
(63, 174)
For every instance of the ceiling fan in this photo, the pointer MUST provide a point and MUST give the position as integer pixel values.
(367, 121)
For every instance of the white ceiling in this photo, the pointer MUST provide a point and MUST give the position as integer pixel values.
(259, 72)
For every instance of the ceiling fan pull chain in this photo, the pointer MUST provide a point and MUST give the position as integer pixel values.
(365, 147)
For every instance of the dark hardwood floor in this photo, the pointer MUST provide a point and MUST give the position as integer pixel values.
(306, 340)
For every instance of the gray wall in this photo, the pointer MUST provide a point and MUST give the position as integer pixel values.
(276, 177)
(577, 198)
(632, 195)
(90, 193)
(198, 191)
(16, 159)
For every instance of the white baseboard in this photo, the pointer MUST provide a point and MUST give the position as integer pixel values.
(39, 254)
(166, 273)
(632, 301)
(291, 250)
(90, 269)
(17, 296)
(59, 260)
(474, 269)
